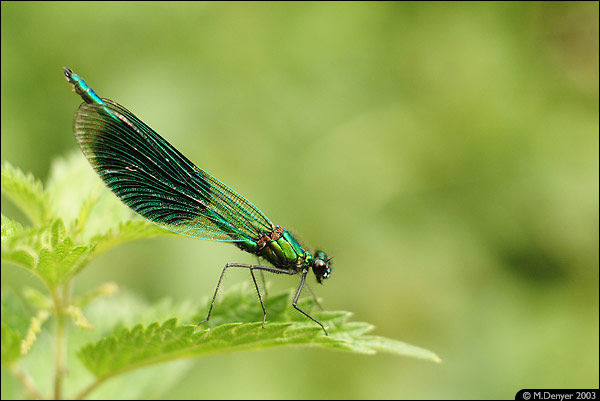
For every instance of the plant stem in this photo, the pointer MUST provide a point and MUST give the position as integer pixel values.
(59, 363)
(60, 295)
(84, 394)
(27, 381)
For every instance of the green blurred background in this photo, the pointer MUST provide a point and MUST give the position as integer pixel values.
(446, 155)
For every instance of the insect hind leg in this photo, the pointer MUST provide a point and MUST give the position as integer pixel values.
(252, 268)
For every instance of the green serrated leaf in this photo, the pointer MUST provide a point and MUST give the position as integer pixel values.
(81, 224)
(19, 257)
(15, 321)
(398, 347)
(127, 349)
(88, 207)
(46, 267)
(57, 233)
(128, 231)
(11, 344)
(10, 227)
(23, 246)
(48, 250)
(76, 260)
(71, 185)
(26, 192)
(57, 265)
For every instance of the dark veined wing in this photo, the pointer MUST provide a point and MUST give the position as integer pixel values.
(158, 182)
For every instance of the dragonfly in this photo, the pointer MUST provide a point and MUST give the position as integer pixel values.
(159, 183)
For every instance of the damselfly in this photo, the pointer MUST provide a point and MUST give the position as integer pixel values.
(159, 183)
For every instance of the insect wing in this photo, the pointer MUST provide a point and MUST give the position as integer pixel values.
(155, 180)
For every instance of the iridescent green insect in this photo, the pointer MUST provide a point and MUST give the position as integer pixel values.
(155, 180)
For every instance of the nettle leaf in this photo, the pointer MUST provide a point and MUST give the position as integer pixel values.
(63, 259)
(127, 349)
(18, 243)
(128, 231)
(70, 183)
(26, 192)
(10, 227)
(92, 220)
(87, 208)
(93, 213)
(15, 318)
(11, 344)
(47, 250)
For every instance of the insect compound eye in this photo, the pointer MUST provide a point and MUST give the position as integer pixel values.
(321, 267)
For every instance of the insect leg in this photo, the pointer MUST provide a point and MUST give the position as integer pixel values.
(252, 268)
(262, 279)
(295, 303)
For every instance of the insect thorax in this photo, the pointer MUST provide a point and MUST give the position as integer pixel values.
(279, 248)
